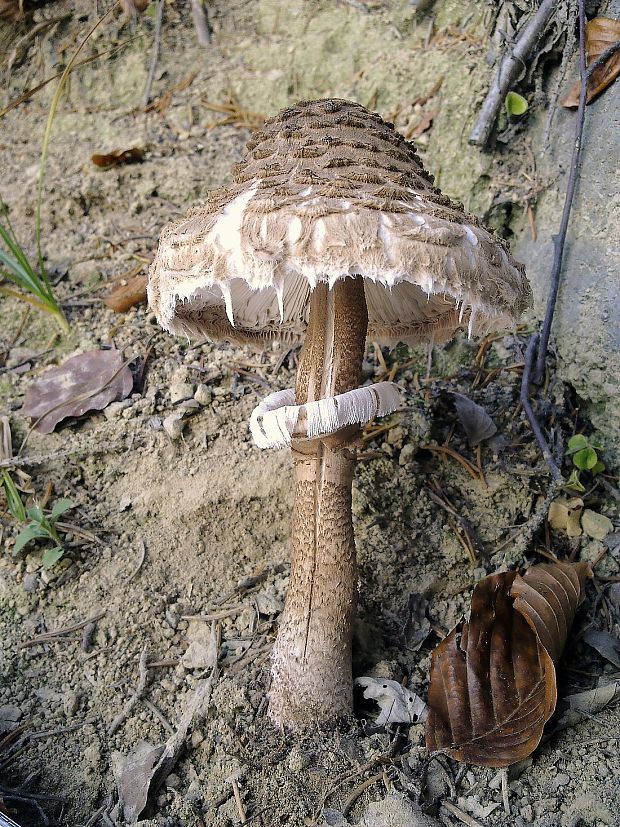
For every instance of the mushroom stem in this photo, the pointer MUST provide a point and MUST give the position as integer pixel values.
(311, 661)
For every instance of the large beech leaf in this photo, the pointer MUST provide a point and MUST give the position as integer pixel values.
(601, 32)
(492, 685)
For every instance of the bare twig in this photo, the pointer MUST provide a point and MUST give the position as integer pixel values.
(461, 814)
(529, 412)
(237, 793)
(538, 344)
(505, 791)
(46, 637)
(201, 23)
(159, 715)
(511, 66)
(560, 239)
(140, 561)
(610, 51)
(155, 55)
(133, 700)
(355, 794)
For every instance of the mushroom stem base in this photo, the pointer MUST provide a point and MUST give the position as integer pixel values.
(311, 661)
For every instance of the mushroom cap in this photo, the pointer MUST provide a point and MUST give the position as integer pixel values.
(328, 190)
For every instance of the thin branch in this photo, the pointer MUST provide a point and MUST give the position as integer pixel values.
(610, 51)
(560, 239)
(525, 401)
(509, 70)
(538, 344)
(134, 698)
(155, 54)
(201, 23)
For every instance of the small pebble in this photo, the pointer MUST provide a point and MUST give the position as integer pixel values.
(174, 425)
(406, 454)
(30, 582)
(115, 409)
(173, 781)
(181, 391)
(203, 395)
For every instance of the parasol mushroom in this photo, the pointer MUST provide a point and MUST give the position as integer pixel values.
(331, 232)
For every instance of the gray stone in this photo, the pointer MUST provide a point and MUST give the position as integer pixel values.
(173, 425)
(30, 582)
(406, 454)
(173, 781)
(203, 395)
(180, 391)
(596, 525)
(115, 409)
(10, 713)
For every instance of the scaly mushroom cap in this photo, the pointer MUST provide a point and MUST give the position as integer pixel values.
(328, 190)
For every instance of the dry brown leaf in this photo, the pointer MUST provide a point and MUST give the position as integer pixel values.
(127, 294)
(492, 685)
(601, 32)
(86, 382)
(118, 158)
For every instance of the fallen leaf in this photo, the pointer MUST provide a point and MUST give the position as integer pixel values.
(133, 774)
(476, 422)
(118, 157)
(548, 596)
(492, 685)
(594, 700)
(86, 382)
(471, 805)
(606, 644)
(398, 704)
(565, 515)
(418, 626)
(583, 705)
(127, 295)
(146, 767)
(601, 32)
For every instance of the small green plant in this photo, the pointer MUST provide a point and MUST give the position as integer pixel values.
(585, 458)
(516, 105)
(38, 525)
(14, 265)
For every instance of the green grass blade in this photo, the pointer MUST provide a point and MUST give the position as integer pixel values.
(48, 134)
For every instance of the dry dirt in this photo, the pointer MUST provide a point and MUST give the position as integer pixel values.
(200, 524)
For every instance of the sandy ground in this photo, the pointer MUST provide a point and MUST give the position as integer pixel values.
(200, 524)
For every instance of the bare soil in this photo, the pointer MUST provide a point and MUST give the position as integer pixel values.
(200, 524)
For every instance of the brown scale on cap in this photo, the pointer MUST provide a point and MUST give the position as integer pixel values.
(329, 190)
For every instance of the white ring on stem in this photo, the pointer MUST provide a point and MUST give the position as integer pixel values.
(273, 421)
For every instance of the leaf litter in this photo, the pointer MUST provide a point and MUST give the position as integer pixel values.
(492, 684)
(85, 382)
(398, 704)
(601, 33)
